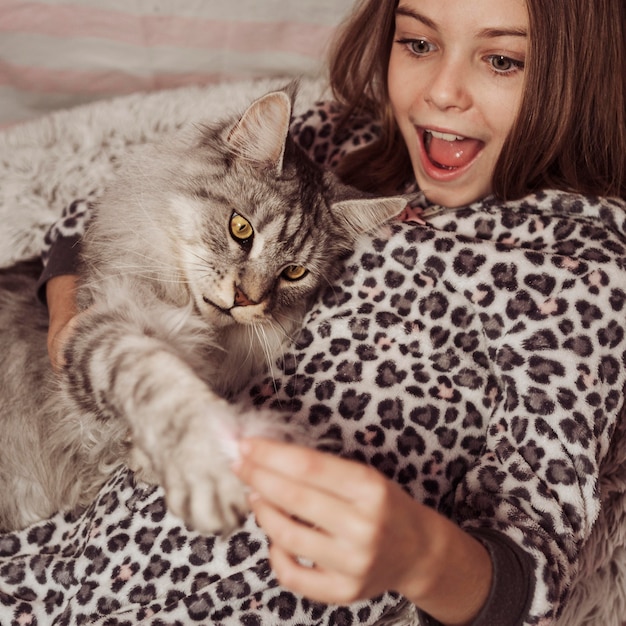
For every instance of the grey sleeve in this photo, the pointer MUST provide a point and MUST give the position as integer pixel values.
(512, 586)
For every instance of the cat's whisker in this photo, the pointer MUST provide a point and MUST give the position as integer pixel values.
(268, 352)
(259, 333)
(137, 260)
(143, 273)
(289, 336)
(160, 274)
(251, 332)
(141, 200)
(329, 282)
(206, 262)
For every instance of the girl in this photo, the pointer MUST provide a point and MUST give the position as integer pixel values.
(475, 100)
(486, 337)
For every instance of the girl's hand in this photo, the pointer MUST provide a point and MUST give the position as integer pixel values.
(362, 534)
(61, 297)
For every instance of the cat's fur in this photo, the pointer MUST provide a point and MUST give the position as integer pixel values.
(177, 315)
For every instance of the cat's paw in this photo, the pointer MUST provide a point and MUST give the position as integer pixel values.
(199, 484)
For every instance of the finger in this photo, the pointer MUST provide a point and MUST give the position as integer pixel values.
(315, 583)
(309, 504)
(303, 540)
(345, 498)
(346, 480)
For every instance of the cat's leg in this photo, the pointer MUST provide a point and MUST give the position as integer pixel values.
(140, 366)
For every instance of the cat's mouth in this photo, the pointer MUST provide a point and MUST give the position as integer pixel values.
(241, 314)
(217, 307)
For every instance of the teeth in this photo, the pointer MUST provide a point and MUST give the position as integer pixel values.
(445, 136)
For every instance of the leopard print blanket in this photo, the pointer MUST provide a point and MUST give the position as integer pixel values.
(444, 334)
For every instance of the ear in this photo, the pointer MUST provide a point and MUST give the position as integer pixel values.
(365, 214)
(260, 135)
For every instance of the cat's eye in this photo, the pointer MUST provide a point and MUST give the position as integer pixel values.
(240, 228)
(294, 272)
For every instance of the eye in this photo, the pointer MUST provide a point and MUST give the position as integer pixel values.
(294, 272)
(504, 65)
(240, 228)
(418, 47)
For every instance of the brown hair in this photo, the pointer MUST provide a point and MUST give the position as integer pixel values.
(570, 133)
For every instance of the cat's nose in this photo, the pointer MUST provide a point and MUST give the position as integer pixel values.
(241, 299)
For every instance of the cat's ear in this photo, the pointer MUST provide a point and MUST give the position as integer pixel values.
(365, 214)
(260, 135)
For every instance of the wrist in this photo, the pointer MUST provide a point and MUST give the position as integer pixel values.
(452, 578)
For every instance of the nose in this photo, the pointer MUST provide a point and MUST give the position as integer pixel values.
(449, 87)
(241, 298)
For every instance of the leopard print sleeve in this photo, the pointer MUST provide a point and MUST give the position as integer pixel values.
(547, 283)
(552, 302)
(317, 132)
(61, 247)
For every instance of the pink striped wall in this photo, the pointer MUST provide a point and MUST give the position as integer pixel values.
(55, 53)
(65, 21)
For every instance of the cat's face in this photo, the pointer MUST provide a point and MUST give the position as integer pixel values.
(256, 227)
(256, 255)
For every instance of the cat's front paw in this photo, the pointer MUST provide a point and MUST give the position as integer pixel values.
(199, 484)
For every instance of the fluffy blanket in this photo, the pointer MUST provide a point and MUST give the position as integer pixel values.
(45, 165)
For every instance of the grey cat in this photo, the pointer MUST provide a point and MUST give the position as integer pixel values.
(197, 269)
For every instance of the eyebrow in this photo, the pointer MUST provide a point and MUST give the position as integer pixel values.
(487, 32)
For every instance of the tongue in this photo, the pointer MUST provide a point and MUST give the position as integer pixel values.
(452, 153)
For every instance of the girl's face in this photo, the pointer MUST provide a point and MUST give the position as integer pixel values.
(455, 83)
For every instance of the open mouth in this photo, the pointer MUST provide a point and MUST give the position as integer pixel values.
(449, 152)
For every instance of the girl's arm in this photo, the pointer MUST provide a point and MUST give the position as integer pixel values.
(363, 533)
(57, 283)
